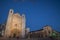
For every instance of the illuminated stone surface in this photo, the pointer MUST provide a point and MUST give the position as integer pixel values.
(15, 25)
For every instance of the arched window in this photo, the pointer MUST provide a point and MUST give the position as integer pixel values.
(11, 11)
(49, 32)
(15, 25)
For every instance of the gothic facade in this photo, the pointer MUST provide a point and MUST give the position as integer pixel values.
(15, 25)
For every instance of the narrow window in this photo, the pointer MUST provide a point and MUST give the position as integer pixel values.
(11, 11)
(15, 25)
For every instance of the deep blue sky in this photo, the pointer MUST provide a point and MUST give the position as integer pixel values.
(38, 12)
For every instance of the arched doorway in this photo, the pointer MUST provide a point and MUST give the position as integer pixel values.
(15, 33)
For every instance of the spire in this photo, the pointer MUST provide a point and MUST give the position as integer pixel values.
(23, 15)
(11, 11)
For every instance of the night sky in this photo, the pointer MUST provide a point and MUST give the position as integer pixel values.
(38, 12)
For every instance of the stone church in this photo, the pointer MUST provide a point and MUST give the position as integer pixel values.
(16, 25)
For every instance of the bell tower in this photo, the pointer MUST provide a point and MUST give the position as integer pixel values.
(9, 20)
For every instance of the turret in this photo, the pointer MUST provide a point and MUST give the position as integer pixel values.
(23, 25)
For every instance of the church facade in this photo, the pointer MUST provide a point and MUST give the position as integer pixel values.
(15, 25)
